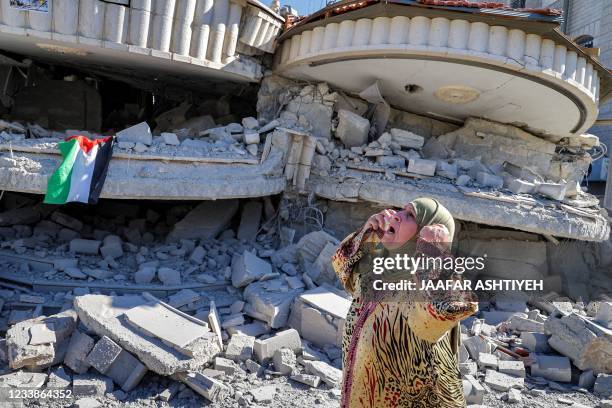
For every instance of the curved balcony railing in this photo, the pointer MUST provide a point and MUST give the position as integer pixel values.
(201, 32)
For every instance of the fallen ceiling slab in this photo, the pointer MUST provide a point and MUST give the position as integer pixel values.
(523, 215)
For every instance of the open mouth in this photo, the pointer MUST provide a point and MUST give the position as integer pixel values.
(391, 230)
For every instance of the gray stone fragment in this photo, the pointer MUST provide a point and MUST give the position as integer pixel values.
(240, 347)
(263, 394)
(502, 382)
(247, 267)
(352, 129)
(205, 221)
(310, 380)
(169, 276)
(603, 385)
(330, 375)
(85, 246)
(284, 361)
(87, 402)
(59, 379)
(79, 347)
(140, 133)
(264, 349)
(211, 389)
(91, 385)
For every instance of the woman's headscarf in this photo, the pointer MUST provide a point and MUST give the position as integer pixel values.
(428, 211)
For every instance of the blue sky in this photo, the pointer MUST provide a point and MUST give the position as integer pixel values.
(304, 6)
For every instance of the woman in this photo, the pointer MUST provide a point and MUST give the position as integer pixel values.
(400, 350)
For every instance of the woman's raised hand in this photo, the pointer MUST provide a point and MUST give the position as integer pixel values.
(381, 221)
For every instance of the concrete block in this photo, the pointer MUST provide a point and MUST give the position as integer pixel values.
(265, 349)
(552, 368)
(352, 129)
(112, 246)
(476, 390)
(535, 342)
(183, 297)
(603, 385)
(502, 382)
(79, 347)
(522, 324)
(169, 276)
(556, 191)
(197, 255)
(391, 161)
(476, 345)
(284, 361)
(489, 180)
(91, 385)
(247, 268)
(270, 301)
(85, 246)
(250, 220)
(251, 137)
(225, 365)
(518, 186)
(422, 166)
(263, 394)
(310, 380)
(66, 220)
(407, 139)
(445, 169)
(330, 375)
(486, 360)
(604, 314)
(514, 396)
(211, 389)
(250, 123)
(587, 380)
(470, 368)
(511, 367)
(145, 274)
(140, 133)
(170, 139)
(463, 180)
(205, 221)
(59, 379)
(587, 344)
(240, 347)
(87, 402)
(21, 353)
(103, 354)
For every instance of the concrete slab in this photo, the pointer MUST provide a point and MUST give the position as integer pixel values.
(485, 209)
(159, 321)
(105, 315)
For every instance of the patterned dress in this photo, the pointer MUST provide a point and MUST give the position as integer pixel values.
(400, 353)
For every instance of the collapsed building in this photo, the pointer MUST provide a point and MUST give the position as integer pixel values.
(248, 145)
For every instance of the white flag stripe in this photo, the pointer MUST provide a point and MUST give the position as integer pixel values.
(82, 173)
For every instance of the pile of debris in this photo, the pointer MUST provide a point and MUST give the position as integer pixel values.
(520, 354)
(481, 154)
(233, 305)
(221, 297)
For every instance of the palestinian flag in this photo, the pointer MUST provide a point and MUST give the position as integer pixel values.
(81, 175)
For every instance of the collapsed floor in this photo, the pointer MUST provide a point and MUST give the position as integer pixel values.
(233, 303)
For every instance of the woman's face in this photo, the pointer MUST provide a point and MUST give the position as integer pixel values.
(400, 227)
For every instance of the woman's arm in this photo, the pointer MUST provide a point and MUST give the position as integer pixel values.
(347, 256)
